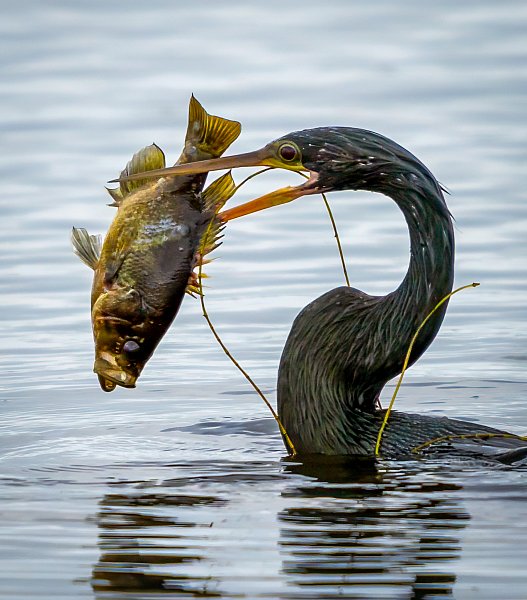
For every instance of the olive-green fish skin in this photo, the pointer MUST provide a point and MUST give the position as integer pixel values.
(144, 267)
(146, 289)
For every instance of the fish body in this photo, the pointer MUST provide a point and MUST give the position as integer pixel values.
(143, 268)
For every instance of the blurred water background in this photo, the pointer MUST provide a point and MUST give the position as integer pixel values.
(178, 489)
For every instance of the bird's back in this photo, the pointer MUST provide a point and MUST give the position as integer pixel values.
(409, 434)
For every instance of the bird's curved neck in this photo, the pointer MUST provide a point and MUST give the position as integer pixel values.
(430, 271)
(346, 345)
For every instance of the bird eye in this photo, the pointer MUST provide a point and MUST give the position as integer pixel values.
(131, 347)
(288, 152)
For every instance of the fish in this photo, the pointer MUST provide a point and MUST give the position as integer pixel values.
(163, 230)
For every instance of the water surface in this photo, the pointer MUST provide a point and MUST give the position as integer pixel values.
(180, 488)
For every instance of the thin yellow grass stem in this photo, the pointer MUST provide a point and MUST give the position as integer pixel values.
(289, 443)
(407, 360)
(465, 436)
(336, 233)
(283, 431)
(251, 176)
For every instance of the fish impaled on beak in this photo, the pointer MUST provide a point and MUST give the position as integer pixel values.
(144, 267)
(283, 154)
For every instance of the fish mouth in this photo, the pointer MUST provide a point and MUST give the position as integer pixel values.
(106, 384)
(110, 375)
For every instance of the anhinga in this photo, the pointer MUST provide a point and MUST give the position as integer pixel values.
(344, 346)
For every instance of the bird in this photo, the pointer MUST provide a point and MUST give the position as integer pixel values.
(346, 345)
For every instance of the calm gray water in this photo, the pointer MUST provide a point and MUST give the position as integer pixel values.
(179, 489)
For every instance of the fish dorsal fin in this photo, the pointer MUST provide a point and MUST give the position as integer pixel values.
(147, 159)
(218, 192)
(87, 247)
(212, 134)
(116, 195)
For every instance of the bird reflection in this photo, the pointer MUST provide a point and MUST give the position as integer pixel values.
(356, 531)
(143, 550)
(326, 529)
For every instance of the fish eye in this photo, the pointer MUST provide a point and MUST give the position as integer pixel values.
(288, 152)
(131, 347)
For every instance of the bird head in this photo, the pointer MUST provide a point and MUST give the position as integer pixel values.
(335, 158)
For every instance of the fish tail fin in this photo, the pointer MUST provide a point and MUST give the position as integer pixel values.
(87, 247)
(209, 133)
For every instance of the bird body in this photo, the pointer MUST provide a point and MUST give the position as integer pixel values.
(344, 346)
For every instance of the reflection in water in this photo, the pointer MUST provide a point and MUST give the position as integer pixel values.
(338, 530)
(357, 532)
(144, 545)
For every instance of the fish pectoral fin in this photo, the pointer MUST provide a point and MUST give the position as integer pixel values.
(87, 247)
(212, 134)
(218, 192)
(149, 158)
(113, 261)
(111, 269)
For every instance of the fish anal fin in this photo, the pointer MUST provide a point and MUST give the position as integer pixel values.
(87, 247)
(214, 197)
(218, 192)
